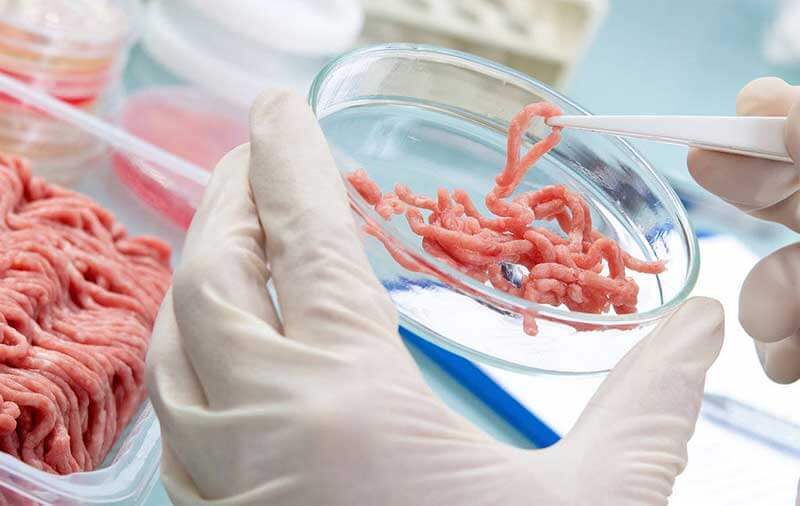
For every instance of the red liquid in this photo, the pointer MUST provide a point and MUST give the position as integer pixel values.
(187, 124)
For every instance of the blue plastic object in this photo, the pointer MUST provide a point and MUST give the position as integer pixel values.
(487, 390)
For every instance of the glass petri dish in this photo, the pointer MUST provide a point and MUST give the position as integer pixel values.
(58, 152)
(431, 118)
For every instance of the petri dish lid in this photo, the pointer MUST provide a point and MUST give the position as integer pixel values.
(225, 64)
(308, 27)
(56, 24)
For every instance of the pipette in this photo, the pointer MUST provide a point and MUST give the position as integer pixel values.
(756, 136)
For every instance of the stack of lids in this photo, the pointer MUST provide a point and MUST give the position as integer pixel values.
(237, 48)
(73, 50)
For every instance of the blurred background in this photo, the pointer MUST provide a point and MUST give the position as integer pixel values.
(610, 56)
(152, 65)
(182, 73)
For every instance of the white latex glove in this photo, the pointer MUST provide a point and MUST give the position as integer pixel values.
(325, 406)
(769, 304)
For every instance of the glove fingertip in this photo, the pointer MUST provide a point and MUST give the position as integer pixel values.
(697, 161)
(710, 315)
(764, 96)
(781, 360)
(694, 331)
(274, 102)
(768, 302)
(290, 150)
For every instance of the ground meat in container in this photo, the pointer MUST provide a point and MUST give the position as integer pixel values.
(78, 298)
(568, 270)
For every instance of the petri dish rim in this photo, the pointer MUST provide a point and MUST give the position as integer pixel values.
(44, 37)
(497, 70)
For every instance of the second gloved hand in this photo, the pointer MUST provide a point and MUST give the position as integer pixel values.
(769, 305)
(321, 404)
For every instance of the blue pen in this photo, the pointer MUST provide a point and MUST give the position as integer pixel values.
(487, 390)
(726, 412)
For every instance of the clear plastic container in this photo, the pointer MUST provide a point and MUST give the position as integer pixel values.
(436, 118)
(131, 469)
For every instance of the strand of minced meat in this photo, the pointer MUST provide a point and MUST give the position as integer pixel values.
(562, 270)
(78, 298)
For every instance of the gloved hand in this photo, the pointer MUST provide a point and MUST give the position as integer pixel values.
(769, 305)
(321, 404)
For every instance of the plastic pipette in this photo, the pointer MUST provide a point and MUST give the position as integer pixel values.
(756, 136)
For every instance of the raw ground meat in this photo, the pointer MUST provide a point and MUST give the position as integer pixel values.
(78, 298)
(583, 269)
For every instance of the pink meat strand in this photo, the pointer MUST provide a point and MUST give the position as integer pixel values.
(563, 270)
(78, 298)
